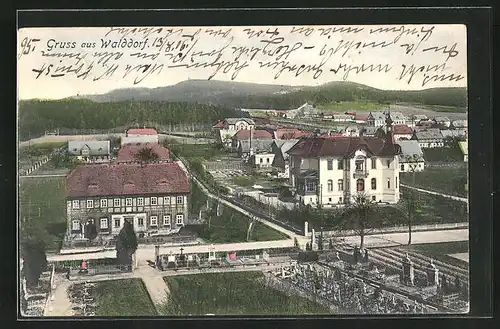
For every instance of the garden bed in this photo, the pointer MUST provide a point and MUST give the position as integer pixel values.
(240, 293)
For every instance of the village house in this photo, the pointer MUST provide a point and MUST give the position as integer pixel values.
(411, 157)
(453, 133)
(377, 119)
(343, 118)
(351, 131)
(262, 159)
(402, 132)
(280, 162)
(152, 197)
(445, 121)
(429, 138)
(331, 171)
(306, 111)
(361, 118)
(290, 133)
(247, 148)
(460, 123)
(249, 135)
(129, 152)
(464, 147)
(140, 135)
(90, 151)
(227, 128)
(368, 131)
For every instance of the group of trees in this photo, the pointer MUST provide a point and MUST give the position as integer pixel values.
(348, 92)
(38, 116)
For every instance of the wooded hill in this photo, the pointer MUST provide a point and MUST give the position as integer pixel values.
(38, 116)
(251, 95)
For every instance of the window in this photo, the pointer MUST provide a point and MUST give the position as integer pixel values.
(341, 184)
(374, 198)
(180, 200)
(76, 204)
(340, 199)
(360, 184)
(117, 222)
(75, 226)
(402, 167)
(104, 203)
(267, 160)
(166, 220)
(179, 219)
(128, 202)
(261, 160)
(140, 202)
(388, 183)
(90, 203)
(329, 200)
(104, 223)
(310, 186)
(374, 163)
(374, 183)
(340, 164)
(140, 221)
(329, 164)
(116, 202)
(154, 201)
(388, 163)
(153, 220)
(396, 182)
(166, 200)
(359, 165)
(330, 185)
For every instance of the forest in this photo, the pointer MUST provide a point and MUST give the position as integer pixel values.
(38, 116)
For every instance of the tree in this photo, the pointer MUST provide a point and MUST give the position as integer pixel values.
(408, 204)
(35, 260)
(146, 154)
(362, 216)
(126, 244)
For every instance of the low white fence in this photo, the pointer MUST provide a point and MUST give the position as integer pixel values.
(398, 229)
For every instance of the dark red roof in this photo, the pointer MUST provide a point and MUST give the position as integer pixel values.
(256, 134)
(361, 117)
(343, 146)
(126, 179)
(219, 124)
(142, 131)
(128, 151)
(402, 130)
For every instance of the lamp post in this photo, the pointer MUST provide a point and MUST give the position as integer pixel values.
(411, 201)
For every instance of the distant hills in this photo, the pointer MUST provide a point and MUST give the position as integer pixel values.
(265, 96)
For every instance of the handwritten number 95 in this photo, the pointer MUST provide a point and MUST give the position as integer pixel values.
(27, 46)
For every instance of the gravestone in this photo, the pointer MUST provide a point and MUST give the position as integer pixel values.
(365, 259)
(356, 254)
(408, 271)
(432, 274)
(306, 228)
(313, 240)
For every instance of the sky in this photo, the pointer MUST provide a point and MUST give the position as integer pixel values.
(51, 52)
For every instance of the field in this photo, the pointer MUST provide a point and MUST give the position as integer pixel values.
(114, 300)
(232, 226)
(443, 154)
(249, 181)
(353, 106)
(450, 181)
(42, 206)
(441, 251)
(232, 294)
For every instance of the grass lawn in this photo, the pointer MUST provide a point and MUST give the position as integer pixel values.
(127, 297)
(443, 154)
(190, 151)
(42, 206)
(240, 293)
(232, 226)
(445, 180)
(353, 106)
(441, 251)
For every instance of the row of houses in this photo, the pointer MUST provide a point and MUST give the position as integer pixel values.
(151, 194)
